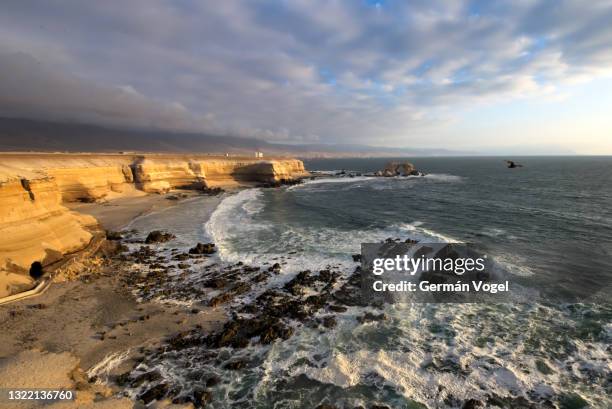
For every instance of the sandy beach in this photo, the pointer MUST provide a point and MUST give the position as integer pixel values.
(69, 336)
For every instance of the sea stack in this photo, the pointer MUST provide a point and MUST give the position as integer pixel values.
(399, 169)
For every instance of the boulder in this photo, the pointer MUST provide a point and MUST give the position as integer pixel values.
(203, 248)
(399, 169)
(158, 236)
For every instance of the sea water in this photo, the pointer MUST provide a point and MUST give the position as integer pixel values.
(549, 224)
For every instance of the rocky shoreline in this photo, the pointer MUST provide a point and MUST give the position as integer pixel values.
(172, 310)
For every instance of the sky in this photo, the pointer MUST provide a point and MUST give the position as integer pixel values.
(524, 76)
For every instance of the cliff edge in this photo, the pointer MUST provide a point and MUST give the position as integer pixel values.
(36, 226)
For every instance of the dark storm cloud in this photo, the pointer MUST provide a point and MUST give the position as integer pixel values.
(299, 70)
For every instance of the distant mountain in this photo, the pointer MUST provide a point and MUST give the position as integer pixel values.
(18, 134)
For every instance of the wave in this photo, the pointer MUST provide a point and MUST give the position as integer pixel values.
(327, 180)
(235, 212)
(441, 344)
(241, 234)
(436, 177)
(442, 177)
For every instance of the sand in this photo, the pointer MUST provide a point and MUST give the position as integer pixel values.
(117, 213)
(52, 340)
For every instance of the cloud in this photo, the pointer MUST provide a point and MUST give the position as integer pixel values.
(30, 89)
(327, 71)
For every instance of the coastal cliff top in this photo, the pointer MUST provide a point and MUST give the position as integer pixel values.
(15, 165)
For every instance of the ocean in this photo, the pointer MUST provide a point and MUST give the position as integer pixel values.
(548, 224)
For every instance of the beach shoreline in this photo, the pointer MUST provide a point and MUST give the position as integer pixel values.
(91, 316)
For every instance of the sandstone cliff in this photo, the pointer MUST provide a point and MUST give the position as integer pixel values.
(35, 226)
(161, 173)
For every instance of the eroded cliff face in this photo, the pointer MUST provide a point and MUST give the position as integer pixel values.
(79, 177)
(35, 226)
(161, 173)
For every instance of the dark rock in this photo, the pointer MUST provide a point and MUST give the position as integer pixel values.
(275, 331)
(337, 308)
(235, 365)
(357, 258)
(203, 248)
(157, 236)
(201, 397)
(113, 235)
(329, 322)
(275, 268)
(369, 317)
(212, 191)
(216, 283)
(37, 306)
(212, 381)
(221, 299)
(326, 406)
(122, 379)
(279, 183)
(472, 404)
(155, 393)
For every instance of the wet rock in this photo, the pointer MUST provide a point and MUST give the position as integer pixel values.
(260, 277)
(183, 266)
(357, 258)
(543, 367)
(113, 235)
(235, 365)
(212, 381)
(275, 268)
(158, 236)
(326, 406)
(297, 284)
(279, 183)
(122, 379)
(275, 331)
(329, 322)
(472, 404)
(201, 397)
(337, 308)
(221, 299)
(369, 317)
(203, 248)
(212, 191)
(216, 283)
(157, 392)
(573, 401)
(238, 332)
(517, 403)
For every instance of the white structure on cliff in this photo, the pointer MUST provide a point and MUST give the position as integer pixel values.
(259, 154)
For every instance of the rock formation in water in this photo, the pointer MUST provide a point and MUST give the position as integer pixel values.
(35, 226)
(399, 169)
